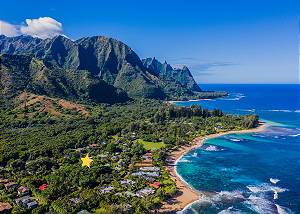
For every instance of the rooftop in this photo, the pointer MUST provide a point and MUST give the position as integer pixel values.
(5, 207)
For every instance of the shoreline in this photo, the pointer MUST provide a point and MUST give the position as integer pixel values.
(187, 195)
(192, 100)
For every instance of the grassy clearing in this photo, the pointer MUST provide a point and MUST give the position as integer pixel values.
(151, 145)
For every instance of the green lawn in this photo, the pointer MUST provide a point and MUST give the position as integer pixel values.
(151, 145)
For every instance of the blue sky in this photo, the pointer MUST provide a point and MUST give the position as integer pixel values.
(221, 41)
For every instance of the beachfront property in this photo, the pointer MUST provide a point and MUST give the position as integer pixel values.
(150, 168)
(148, 174)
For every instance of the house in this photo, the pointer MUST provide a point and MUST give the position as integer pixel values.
(10, 185)
(219, 127)
(147, 156)
(127, 182)
(148, 174)
(43, 187)
(74, 201)
(144, 192)
(93, 145)
(150, 168)
(4, 181)
(23, 200)
(156, 185)
(137, 174)
(105, 190)
(22, 191)
(5, 208)
(32, 205)
(152, 174)
(26, 201)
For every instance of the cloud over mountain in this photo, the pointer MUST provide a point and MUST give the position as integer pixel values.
(43, 27)
(8, 29)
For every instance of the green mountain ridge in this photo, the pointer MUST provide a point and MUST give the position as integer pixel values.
(97, 69)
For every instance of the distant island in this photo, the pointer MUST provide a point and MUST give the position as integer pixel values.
(64, 102)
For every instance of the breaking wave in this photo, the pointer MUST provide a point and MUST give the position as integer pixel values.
(265, 188)
(224, 197)
(230, 210)
(235, 140)
(261, 205)
(294, 135)
(274, 180)
(184, 160)
(212, 148)
(247, 110)
(283, 210)
(283, 110)
(233, 96)
(194, 154)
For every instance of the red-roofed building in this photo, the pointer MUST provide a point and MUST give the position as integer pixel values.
(43, 187)
(156, 185)
(94, 145)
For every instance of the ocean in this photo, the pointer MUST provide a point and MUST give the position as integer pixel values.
(253, 172)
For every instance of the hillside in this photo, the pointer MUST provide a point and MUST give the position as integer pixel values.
(97, 69)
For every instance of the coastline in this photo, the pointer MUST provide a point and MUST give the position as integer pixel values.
(187, 195)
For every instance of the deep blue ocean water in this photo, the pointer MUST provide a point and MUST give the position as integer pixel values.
(254, 172)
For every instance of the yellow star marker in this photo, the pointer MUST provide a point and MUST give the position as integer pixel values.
(86, 161)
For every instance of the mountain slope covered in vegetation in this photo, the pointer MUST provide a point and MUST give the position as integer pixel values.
(97, 69)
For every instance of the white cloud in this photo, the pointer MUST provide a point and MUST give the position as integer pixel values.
(43, 27)
(8, 29)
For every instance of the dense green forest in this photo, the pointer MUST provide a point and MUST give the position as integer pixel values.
(41, 148)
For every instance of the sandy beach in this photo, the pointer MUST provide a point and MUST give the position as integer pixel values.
(186, 195)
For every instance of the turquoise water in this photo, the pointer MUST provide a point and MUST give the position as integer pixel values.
(254, 172)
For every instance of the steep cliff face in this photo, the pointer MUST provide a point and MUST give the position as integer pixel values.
(172, 78)
(92, 67)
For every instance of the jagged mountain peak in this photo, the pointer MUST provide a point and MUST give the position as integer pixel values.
(99, 60)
